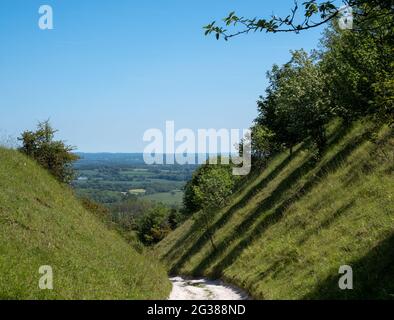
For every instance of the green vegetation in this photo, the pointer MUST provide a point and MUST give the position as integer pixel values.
(208, 191)
(295, 106)
(110, 178)
(41, 223)
(208, 188)
(285, 234)
(321, 193)
(303, 16)
(52, 155)
(147, 220)
(154, 224)
(142, 200)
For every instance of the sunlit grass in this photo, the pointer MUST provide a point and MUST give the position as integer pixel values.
(41, 223)
(287, 232)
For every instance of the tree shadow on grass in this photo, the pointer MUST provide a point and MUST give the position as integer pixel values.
(226, 216)
(277, 214)
(373, 277)
(327, 222)
(268, 203)
(230, 212)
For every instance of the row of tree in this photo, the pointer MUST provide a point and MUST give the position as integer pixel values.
(151, 221)
(350, 76)
(140, 222)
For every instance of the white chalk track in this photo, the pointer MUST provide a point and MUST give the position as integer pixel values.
(202, 289)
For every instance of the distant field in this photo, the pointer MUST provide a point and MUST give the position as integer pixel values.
(109, 178)
(137, 191)
(169, 198)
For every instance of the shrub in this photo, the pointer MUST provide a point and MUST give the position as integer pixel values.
(154, 225)
(55, 156)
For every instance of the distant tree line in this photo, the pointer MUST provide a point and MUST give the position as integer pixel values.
(139, 221)
(150, 220)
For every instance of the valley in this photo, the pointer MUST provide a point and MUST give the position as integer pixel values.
(109, 178)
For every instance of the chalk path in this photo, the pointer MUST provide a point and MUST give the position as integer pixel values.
(202, 289)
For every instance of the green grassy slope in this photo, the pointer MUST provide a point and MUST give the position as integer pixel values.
(285, 234)
(41, 223)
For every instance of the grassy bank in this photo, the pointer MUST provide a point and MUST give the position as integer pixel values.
(41, 223)
(285, 234)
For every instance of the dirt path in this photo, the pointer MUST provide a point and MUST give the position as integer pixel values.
(202, 289)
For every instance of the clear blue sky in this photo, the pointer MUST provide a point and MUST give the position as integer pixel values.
(112, 69)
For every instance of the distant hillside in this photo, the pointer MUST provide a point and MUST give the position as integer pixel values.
(109, 159)
(41, 223)
(123, 159)
(291, 226)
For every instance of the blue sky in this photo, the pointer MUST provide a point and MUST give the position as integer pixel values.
(112, 69)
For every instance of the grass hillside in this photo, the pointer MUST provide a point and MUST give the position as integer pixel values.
(41, 223)
(290, 227)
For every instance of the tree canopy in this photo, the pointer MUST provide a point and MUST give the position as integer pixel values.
(349, 76)
(208, 188)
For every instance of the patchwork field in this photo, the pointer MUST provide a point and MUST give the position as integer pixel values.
(109, 178)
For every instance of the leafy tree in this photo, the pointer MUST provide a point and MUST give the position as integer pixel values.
(154, 225)
(384, 95)
(359, 69)
(351, 77)
(126, 213)
(55, 156)
(295, 106)
(191, 203)
(152, 221)
(262, 142)
(174, 218)
(213, 185)
(306, 15)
